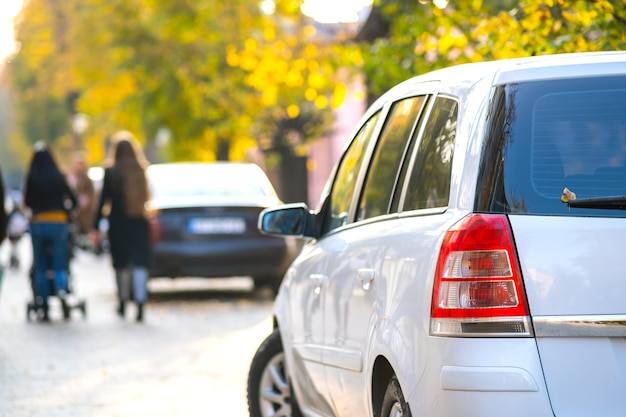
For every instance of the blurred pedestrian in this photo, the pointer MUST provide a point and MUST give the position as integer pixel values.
(16, 228)
(3, 212)
(125, 191)
(3, 220)
(50, 200)
(85, 193)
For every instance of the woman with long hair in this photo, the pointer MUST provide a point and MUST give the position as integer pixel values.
(125, 192)
(49, 198)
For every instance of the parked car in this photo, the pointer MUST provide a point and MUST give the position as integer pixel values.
(466, 258)
(208, 216)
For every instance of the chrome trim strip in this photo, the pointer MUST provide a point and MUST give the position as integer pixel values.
(580, 326)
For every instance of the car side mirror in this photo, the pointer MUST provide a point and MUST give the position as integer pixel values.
(287, 220)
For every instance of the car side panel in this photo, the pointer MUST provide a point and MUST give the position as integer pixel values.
(351, 310)
(400, 253)
(303, 330)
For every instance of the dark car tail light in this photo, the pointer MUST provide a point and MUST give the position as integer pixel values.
(478, 287)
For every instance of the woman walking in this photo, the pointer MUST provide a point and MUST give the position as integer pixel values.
(125, 191)
(3, 220)
(49, 198)
(85, 193)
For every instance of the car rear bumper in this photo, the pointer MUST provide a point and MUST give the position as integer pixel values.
(478, 377)
(266, 257)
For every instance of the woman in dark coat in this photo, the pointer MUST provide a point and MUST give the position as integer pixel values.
(125, 192)
(4, 218)
(49, 198)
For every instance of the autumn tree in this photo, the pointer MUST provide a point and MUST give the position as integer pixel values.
(419, 36)
(222, 77)
(141, 65)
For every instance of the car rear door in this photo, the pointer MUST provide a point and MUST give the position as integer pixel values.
(573, 269)
(557, 165)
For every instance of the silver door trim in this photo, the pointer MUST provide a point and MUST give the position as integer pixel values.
(605, 325)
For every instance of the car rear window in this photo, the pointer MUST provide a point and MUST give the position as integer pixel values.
(546, 136)
(205, 181)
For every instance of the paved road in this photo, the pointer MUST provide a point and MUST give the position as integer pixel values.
(189, 358)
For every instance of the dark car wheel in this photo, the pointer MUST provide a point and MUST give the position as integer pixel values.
(394, 404)
(269, 392)
(270, 282)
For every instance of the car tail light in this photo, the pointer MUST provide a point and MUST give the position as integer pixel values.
(478, 285)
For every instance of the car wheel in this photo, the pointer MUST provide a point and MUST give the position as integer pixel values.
(267, 281)
(394, 404)
(269, 392)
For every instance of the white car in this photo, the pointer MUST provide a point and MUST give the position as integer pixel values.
(466, 257)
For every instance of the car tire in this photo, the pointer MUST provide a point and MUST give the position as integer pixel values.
(269, 391)
(271, 282)
(394, 404)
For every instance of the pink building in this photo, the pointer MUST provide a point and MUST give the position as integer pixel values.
(325, 151)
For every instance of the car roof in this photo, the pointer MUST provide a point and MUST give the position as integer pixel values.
(518, 69)
(218, 166)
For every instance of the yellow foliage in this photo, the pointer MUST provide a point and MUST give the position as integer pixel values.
(321, 102)
(299, 64)
(293, 79)
(293, 111)
(249, 62)
(292, 40)
(270, 95)
(358, 95)
(316, 80)
(477, 4)
(269, 33)
(339, 95)
(310, 31)
(250, 45)
(232, 59)
(310, 94)
(310, 51)
(240, 147)
(280, 46)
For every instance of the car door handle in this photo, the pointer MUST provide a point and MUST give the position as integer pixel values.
(318, 281)
(366, 276)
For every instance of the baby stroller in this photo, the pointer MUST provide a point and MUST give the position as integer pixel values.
(68, 301)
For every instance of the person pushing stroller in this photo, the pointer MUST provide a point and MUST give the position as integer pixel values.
(49, 198)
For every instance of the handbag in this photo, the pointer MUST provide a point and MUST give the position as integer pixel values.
(154, 229)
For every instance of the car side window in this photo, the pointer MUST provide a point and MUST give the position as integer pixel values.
(390, 149)
(429, 181)
(346, 177)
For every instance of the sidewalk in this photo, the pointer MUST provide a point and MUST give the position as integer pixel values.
(190, 358)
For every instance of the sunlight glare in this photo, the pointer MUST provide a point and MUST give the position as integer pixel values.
(333, 11)
(268, 7)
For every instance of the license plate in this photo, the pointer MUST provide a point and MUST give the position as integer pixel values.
(230, 226)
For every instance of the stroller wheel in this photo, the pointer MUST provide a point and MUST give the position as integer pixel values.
(67, 311)
(83, 309)
(28, 310)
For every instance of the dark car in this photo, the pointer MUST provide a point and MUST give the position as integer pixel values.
(208, 214)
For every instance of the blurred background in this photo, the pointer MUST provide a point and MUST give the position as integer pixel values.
(277, 82)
